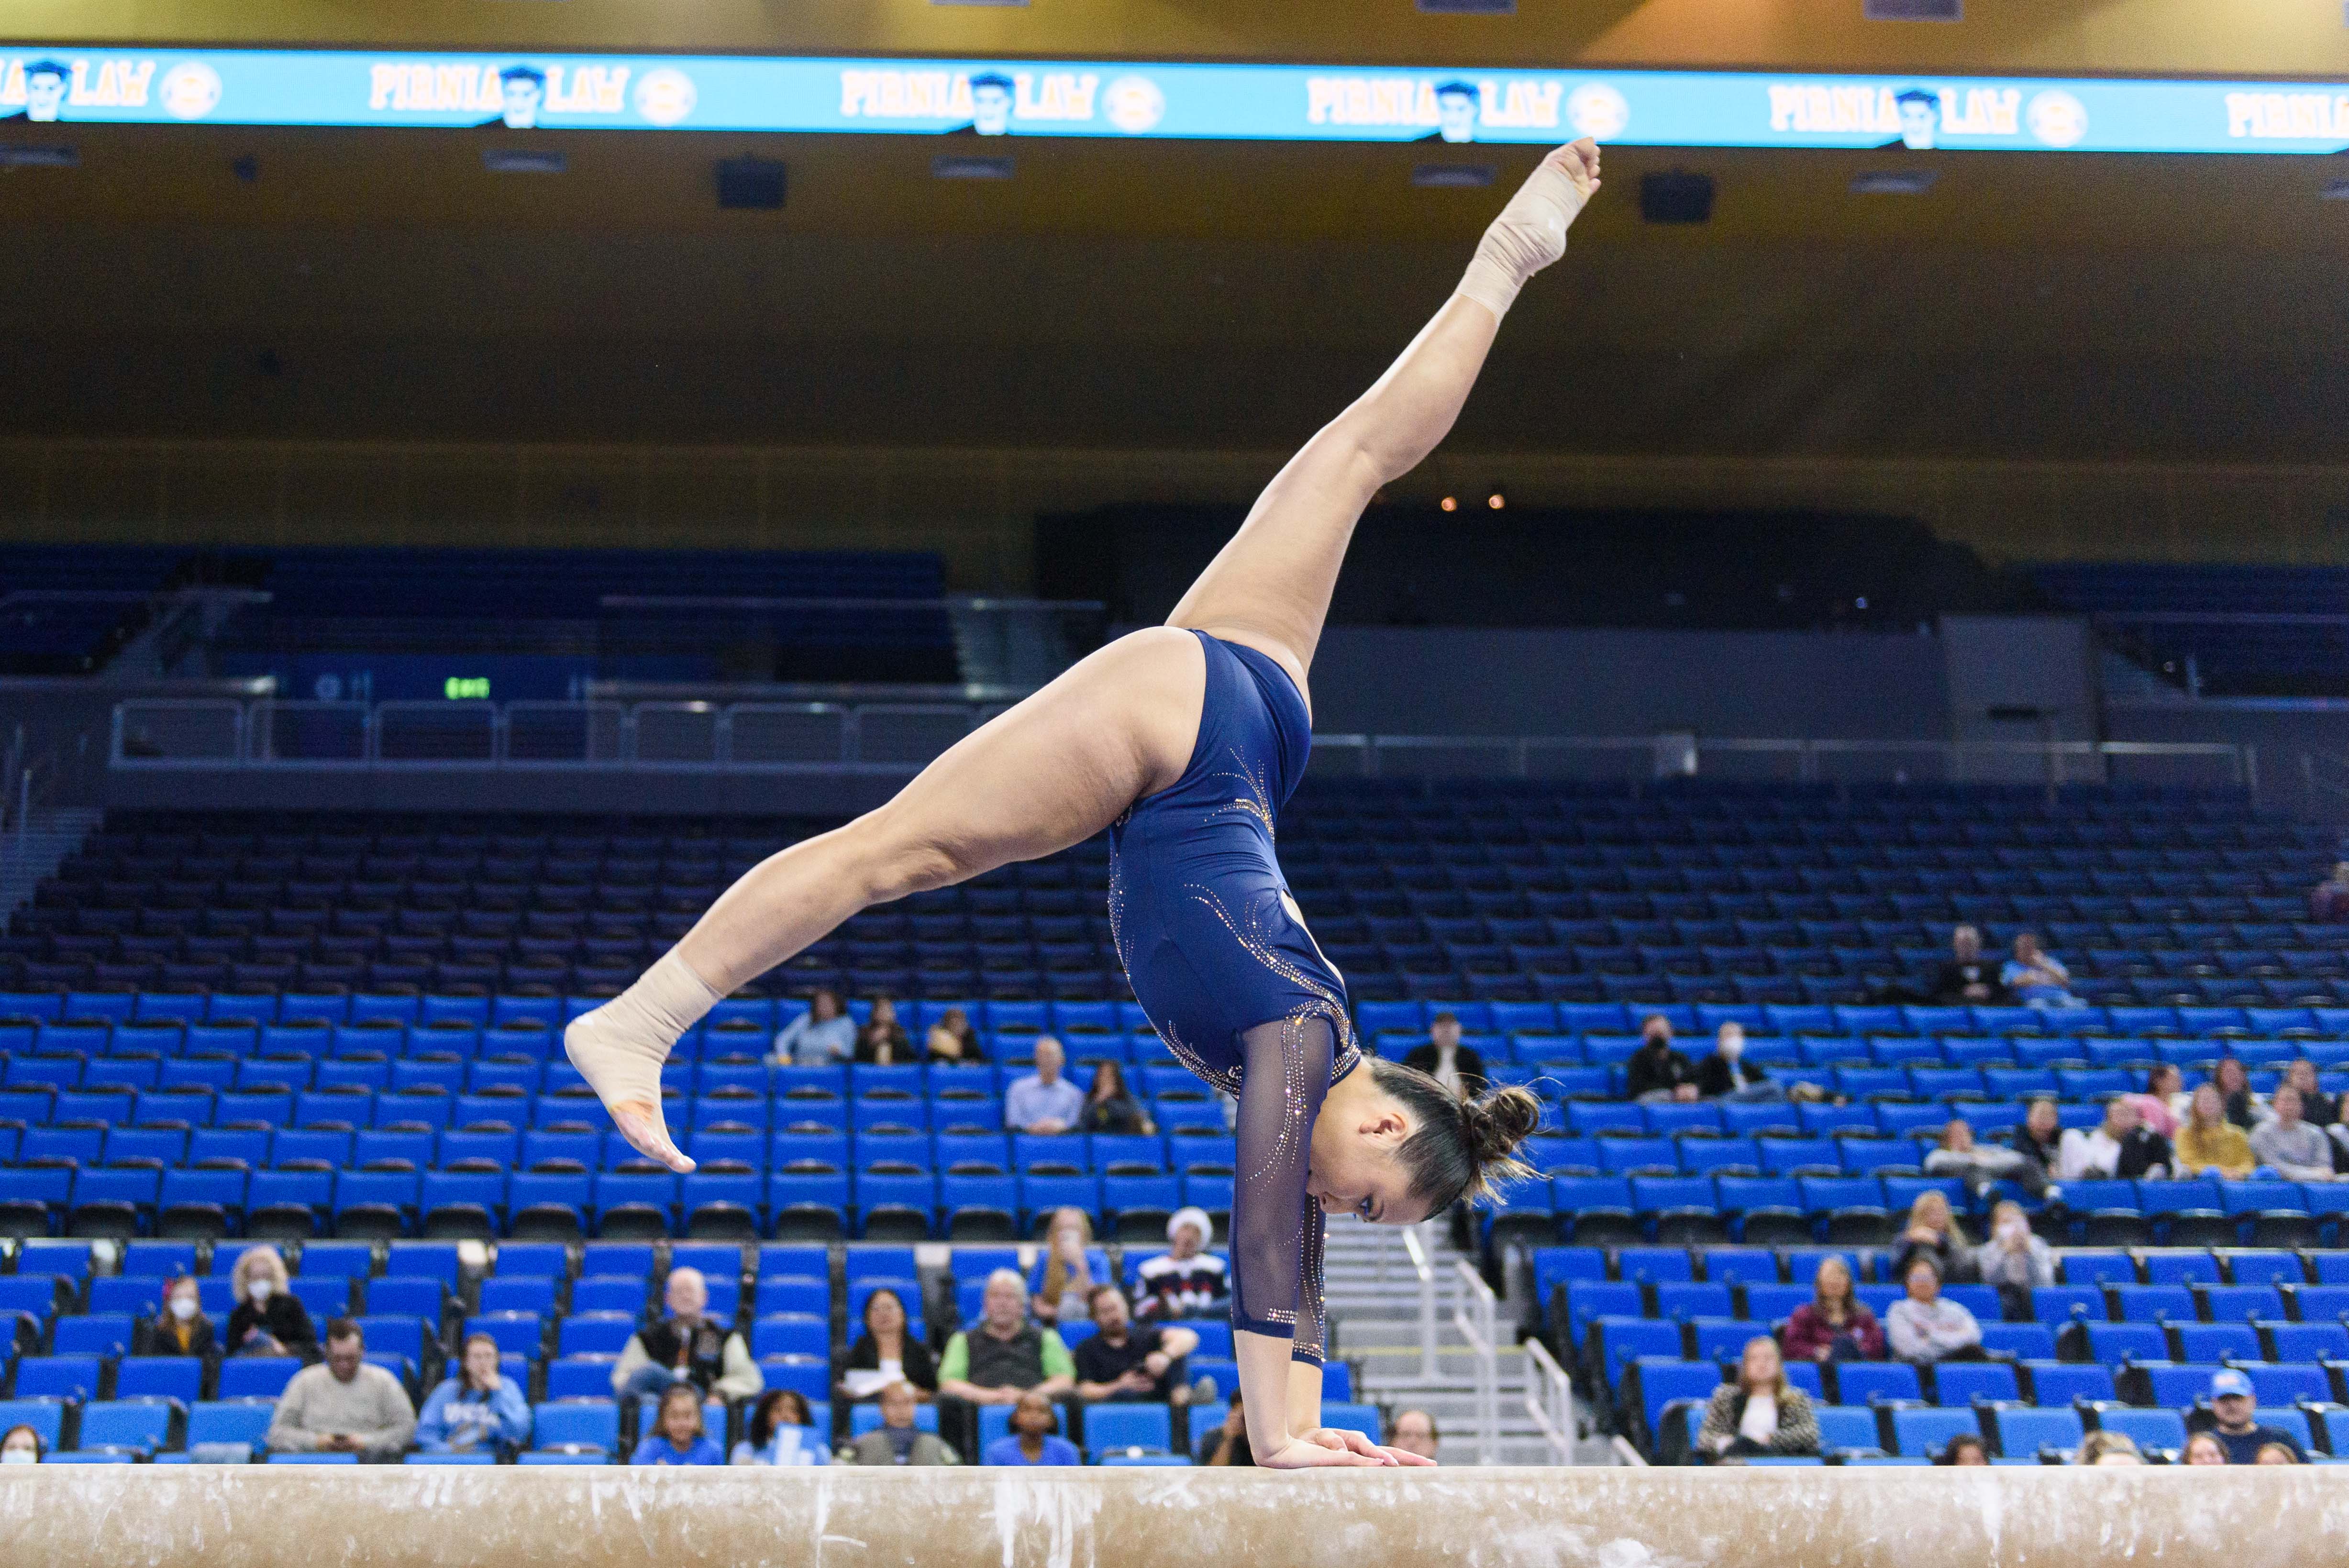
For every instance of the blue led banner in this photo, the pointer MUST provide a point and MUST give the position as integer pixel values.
(1263, 103)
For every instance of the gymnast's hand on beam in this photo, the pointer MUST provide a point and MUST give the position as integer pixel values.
(1328, 1447)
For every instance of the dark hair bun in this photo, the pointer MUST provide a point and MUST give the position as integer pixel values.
(1498, 1120)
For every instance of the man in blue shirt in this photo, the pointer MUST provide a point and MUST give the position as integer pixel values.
(2238, 1430)
(1044, 1101)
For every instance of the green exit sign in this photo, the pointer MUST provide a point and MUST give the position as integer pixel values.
(460, 687)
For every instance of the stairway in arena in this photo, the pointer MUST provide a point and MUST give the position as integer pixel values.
(35, 853)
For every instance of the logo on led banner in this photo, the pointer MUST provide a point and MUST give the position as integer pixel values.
(513, 95)
(991, 103)
(191, 90)
(1454, 106)
(43, 88)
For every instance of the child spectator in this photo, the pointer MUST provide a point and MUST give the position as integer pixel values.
(1034, 1439)
(678, 1436)
(783, 1432)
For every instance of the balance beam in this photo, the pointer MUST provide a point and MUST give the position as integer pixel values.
(512, 1517)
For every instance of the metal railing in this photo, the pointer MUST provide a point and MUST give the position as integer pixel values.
(1474, 1314)
(1549, 1400)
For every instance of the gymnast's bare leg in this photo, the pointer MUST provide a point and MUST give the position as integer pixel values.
(1061, 766)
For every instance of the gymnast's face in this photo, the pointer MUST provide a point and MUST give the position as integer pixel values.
(1353, 1170)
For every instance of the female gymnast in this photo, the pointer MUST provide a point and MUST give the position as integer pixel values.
(1183, 740)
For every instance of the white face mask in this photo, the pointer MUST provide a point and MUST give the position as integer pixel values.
(2010, 1231)
(183, 1307)
(1731, 1049)
(261, 1289)
(19, 1457)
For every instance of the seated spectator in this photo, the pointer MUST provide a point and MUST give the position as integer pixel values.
(1044, 1101)
(1760, 1413)
(1926, 1326)
(346, 1406)
(476, 1408)
(1726, 1074)
(1982, 1166)
(1186, 1282)
(783, 1432)
(952, 1039)
(2277, 1454)
(268, 1319)
(2015, 1260)
(2102, 1447)
(2237, 1425)
(1006, 1353)
(896, 1441)
(2204, 1448)
(2162, 1108)
(820, 1036)
(1965, 1449)
(678, 1437)
(1065, 1292)
(1656, 1072)
(1227, 1444)
(1122, 1362)
(1034, 1439)
(181, 1328)
(2036, 977)
(1966, 978)
(20, 1446)
(2328, 900)
(2297, 1151)
(885, 1354)
(2040, 1142)
(1932, 1234)
(2244, 1107)
(1446, 1060)
(2119, 1149)
(1110, 1106)
(2210, 1143)
(2317, 1108)
(882, 1042)
(687, 1346)
(1414, 1432)
(1835, 1324)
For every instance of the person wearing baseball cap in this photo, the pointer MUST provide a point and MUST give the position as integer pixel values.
(2238, 1428)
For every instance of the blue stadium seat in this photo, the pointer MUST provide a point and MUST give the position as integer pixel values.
(2153, 1431)
(255, 1377)
(2024, 1433)
(228, 1422)
(178, 1378)
(1925, 1430)
(578, 1425)
(1870, 1382)
(1135, 1426)
(136, 1426)
(2058, 1383)
(1974, 1382)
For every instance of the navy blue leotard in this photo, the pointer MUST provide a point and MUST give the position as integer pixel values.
(1220, 959)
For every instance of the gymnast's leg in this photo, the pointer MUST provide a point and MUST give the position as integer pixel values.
(1270, 587)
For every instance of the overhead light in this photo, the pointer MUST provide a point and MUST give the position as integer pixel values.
(959, 166)
(523, 160)
(1496, 501)
(1450, 503)
(1676, 198)
(1895, 181)
(1455, 175)
(754, 184)
(39, 158)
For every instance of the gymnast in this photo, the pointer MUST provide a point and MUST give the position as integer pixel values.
(1182, 741)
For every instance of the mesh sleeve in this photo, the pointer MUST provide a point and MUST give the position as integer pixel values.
(1276, 1227)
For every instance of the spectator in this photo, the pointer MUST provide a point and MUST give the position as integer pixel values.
(2103, 1448)
(2159, 1107)
(1926, 1326)
(896, 1441)
(2040, 1141)
(2037, 978)
(2204, 1448)
(1414, 1432)
(2015, 1260)
(181, 1328)
(2237, 1427)
(2234, 1082)
(1034, 1439)
(885, 1354)
(268, 1319)
(1657, 1072)
(2209, 1141)
(1186, 1281)
(1965, 978)
(1227, 1444)
(1444, 1059)
(1043, 1101)
(952, 1039)
(20, 1446)
(1965, 1449)
(1982, 1166)
(679, 1435)
(2328, 900)
(1068, 1280)
(1933, 1232)
(687, 1346)
(2317, 1108)
(346, 1406)
(1005, 1353)
(1726, 1074)
(820, 1036)
(475, 1409)
(1835, 1324)
(2277, 1454)
(1110, 1106)
(882, 1042)
(2120, 1148)
(1123, 1363)
(782, 1433)
(2298, 1152)
(1761, 1413)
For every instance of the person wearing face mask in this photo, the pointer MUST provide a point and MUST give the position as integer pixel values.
(181, 1328)
(1656, 1072)
(2015, 1260)
(20, 1446)
(269, 1319)
(1727, 1074)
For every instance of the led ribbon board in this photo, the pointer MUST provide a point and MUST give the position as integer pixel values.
(65, 83)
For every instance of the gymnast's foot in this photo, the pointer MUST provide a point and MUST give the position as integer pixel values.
(620, 1049)
(1530, 233)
